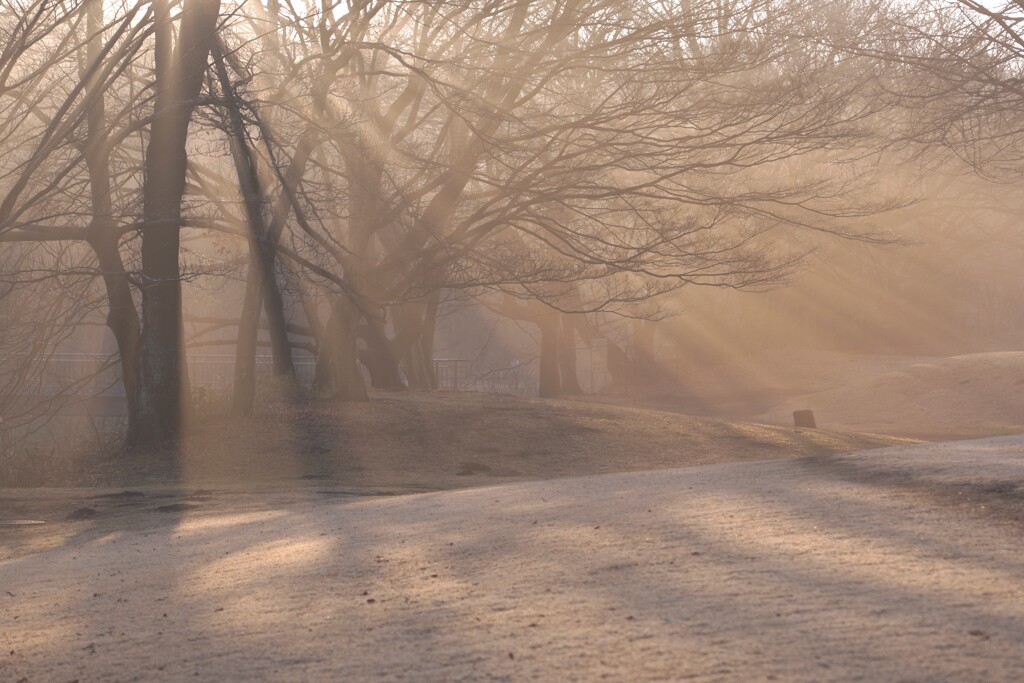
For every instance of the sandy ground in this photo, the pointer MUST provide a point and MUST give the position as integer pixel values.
(901, 564)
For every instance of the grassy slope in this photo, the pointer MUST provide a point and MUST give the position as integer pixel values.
(419, 441)
(968, 396)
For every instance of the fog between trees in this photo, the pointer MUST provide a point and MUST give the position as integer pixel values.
(328, 181)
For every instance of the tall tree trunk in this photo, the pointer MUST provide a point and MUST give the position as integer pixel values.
(244, 394)
(163, 387)
(548, 321)
(620, 367)
(383, 362)
(261, 282)
(308, 303)
(122, 316)
(337, 366)
(567, 356)
(414, 322)
(366, 207)
(427, 338)
(283, 206)
(283, 363)
(550, 378)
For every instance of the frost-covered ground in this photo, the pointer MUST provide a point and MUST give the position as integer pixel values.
(902, 564)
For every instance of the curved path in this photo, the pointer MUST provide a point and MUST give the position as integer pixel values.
(894, 565)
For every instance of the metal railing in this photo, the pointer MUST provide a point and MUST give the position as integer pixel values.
(98, 375)
(458, 374)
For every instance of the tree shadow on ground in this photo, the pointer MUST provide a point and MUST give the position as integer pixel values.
(741, 571)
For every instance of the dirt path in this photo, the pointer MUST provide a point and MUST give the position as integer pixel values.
(896, 565)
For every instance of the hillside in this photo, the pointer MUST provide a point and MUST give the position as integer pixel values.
(413, 441)
(965, 396)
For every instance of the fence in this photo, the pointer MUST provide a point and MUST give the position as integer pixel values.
(456, 374)
(520, 378)
(89, 383)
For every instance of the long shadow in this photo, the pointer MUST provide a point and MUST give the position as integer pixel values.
(1001, 500)
(719, 570)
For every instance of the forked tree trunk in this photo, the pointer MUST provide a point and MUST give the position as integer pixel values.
(122, 316)
(164, 399)
(261, 281)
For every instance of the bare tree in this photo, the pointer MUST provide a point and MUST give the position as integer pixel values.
(565, 158)
(536, 142)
